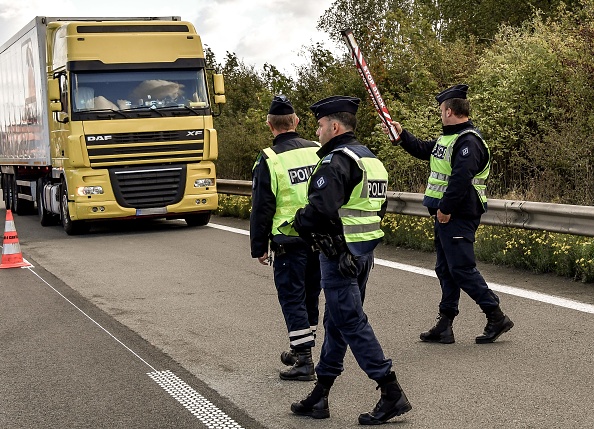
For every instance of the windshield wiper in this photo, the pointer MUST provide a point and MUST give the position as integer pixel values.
(148, 108)
(178, 107)
(138, 108)
(103, 111)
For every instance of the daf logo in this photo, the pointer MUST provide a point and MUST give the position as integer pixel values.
(193, 133)
(98, 138)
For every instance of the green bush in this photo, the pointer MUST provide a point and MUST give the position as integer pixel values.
(409, 231)
(234, 206)
(585, 263)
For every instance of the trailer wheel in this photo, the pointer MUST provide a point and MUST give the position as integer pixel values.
(7, 191)
(19, 206)
(46, 218)
(14, 196)
(199, 219)
(71, 227)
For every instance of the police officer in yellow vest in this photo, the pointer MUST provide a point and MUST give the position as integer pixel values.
(346, 201)
(455, 197)
(279, 188)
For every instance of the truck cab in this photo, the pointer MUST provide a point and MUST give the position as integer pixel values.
(130, 122)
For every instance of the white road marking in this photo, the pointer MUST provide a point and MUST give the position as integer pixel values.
(199, 406)
(523, 293)
(91, 319)
(228, 228)
(510, 290)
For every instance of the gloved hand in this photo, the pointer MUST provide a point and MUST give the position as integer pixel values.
(347, 264)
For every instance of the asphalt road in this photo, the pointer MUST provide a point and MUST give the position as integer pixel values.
(190, 303)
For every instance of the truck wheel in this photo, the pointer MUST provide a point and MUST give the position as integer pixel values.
(46, 218)
(7, 191)
(71, 227)
(13, 194)
(199, 219)
(20, 207)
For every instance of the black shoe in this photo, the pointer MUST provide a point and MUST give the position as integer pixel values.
(289, 358)
(302, 369)
(442, 332)
(314, 405)
(393, 402)
(497, 324)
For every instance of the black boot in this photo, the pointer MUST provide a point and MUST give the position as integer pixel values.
(302, 369)
(289, 358)
(315, 404)
(497, 324)
(392, 403)
(442, 332)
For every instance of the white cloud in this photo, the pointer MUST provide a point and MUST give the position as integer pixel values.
(258, 31)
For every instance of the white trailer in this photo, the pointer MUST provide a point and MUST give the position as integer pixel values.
(24, 113)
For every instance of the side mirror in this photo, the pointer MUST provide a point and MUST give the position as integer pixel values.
(220, 99)
(219, 84)
(53, 90)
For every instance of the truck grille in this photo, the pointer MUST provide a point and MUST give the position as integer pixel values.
(148, 187)
(107, 150)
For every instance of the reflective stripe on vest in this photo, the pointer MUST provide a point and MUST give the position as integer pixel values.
(441, 168)
(289, 173)
(355, 213)
(359, 216)
(446, 178)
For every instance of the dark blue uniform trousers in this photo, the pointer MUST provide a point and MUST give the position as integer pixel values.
(345, 322)
(456, 266)
(297, 280)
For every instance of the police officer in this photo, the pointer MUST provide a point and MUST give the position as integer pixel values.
(346, 201)
(455, 196)
(279, 188)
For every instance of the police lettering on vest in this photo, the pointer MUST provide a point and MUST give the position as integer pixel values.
(300, 174)
(377, 188)
(439, 151)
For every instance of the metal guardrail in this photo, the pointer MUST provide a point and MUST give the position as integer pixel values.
(561, 218)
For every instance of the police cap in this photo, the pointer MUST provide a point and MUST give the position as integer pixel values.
(281, 106)
(456, 91)
(335, 104)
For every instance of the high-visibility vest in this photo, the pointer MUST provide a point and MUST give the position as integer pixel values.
(441, 169)
(289, 173)
(360, 214)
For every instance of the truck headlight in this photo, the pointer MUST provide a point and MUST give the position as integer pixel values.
(201, 183)
(89, 190)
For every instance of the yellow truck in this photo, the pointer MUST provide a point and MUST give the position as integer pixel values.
(108, 118)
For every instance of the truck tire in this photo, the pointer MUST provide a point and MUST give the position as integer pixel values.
(71, 227)
(199, 219)
(14, 203)
(20, 207)
(46, 218)
(7, 191)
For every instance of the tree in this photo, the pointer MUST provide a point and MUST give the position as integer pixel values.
(534, 102)
(531, 87)
(242, 129)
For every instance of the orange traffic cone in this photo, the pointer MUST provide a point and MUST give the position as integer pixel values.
(11, 249)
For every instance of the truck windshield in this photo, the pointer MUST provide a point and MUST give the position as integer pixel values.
(128, 90)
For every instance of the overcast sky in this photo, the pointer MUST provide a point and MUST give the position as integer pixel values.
(258, 31)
